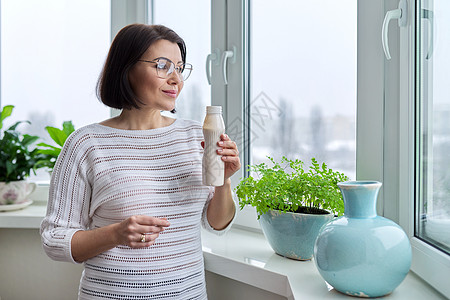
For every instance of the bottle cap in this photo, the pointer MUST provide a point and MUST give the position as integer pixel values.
(214, 109)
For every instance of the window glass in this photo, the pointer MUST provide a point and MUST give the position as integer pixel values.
(191, 20)
(433, 119)
(52, 52)
(303, 82)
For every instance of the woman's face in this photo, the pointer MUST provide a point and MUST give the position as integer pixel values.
(157, 93)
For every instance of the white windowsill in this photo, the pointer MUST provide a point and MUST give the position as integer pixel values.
(29, 217)
(247, 257)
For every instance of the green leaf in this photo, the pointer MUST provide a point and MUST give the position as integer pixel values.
(6, 112)
(57, 135)
(53, 152)
(45, 145)
(68, 128)
(29, 139)
(14, 126)
(44, 164)
(9, 168)
(49, 147)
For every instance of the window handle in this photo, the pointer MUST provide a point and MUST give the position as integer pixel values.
(429, 15)
(210, 59)
(401, 13)
(225, 55)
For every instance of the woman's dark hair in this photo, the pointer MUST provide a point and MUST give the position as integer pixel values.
(113, 87)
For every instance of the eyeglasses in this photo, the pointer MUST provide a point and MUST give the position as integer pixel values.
(165, 68)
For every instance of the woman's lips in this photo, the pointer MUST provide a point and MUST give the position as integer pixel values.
(170, 93)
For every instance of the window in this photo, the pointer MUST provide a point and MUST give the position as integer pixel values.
(52, 52)
(432, 218)
(303, 82)
(420, 138)
(195, 29)
(287, 80)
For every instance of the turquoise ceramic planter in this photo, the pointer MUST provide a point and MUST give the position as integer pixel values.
(362, 254)
(292, 234)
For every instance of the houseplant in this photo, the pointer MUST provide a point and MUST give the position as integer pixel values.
(292, 202)
(18, 157)
(59, 136)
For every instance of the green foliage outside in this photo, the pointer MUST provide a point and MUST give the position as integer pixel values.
(287, 186)
(59, 136)
(17, 155)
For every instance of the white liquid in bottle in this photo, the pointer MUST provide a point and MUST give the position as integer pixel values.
(213, 165)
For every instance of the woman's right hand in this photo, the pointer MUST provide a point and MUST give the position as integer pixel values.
(129, 232)
(89, 243)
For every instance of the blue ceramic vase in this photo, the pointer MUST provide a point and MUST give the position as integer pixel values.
(362, 254)
(292, 235)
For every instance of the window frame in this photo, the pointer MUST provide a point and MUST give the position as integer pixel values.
(385, 129)
(230, 22)
(238, 14)
(428, 262)
(128, 12)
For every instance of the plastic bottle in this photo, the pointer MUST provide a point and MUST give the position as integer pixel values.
(213, 166)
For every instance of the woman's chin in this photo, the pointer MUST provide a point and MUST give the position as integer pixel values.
(168, 108)
(171, 107)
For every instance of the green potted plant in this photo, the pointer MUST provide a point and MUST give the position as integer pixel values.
(18, 158)
(292, 202)
(51, 152)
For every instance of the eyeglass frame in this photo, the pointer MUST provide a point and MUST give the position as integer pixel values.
(175, 68)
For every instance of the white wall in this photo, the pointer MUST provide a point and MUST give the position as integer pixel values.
(27, 273)
(222, 288)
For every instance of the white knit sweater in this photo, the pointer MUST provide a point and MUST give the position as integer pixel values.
(105, 175)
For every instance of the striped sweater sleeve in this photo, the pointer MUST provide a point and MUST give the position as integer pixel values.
(205, 223)
(69, 197)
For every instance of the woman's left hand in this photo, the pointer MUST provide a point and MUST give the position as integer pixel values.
(230, 155)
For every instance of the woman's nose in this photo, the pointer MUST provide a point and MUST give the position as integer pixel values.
(175, 78)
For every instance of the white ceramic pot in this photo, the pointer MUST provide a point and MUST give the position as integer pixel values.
(15, 192)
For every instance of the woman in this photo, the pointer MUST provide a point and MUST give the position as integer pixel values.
(126, 197)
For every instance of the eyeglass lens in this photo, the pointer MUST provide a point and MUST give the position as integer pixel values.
(165, 68)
